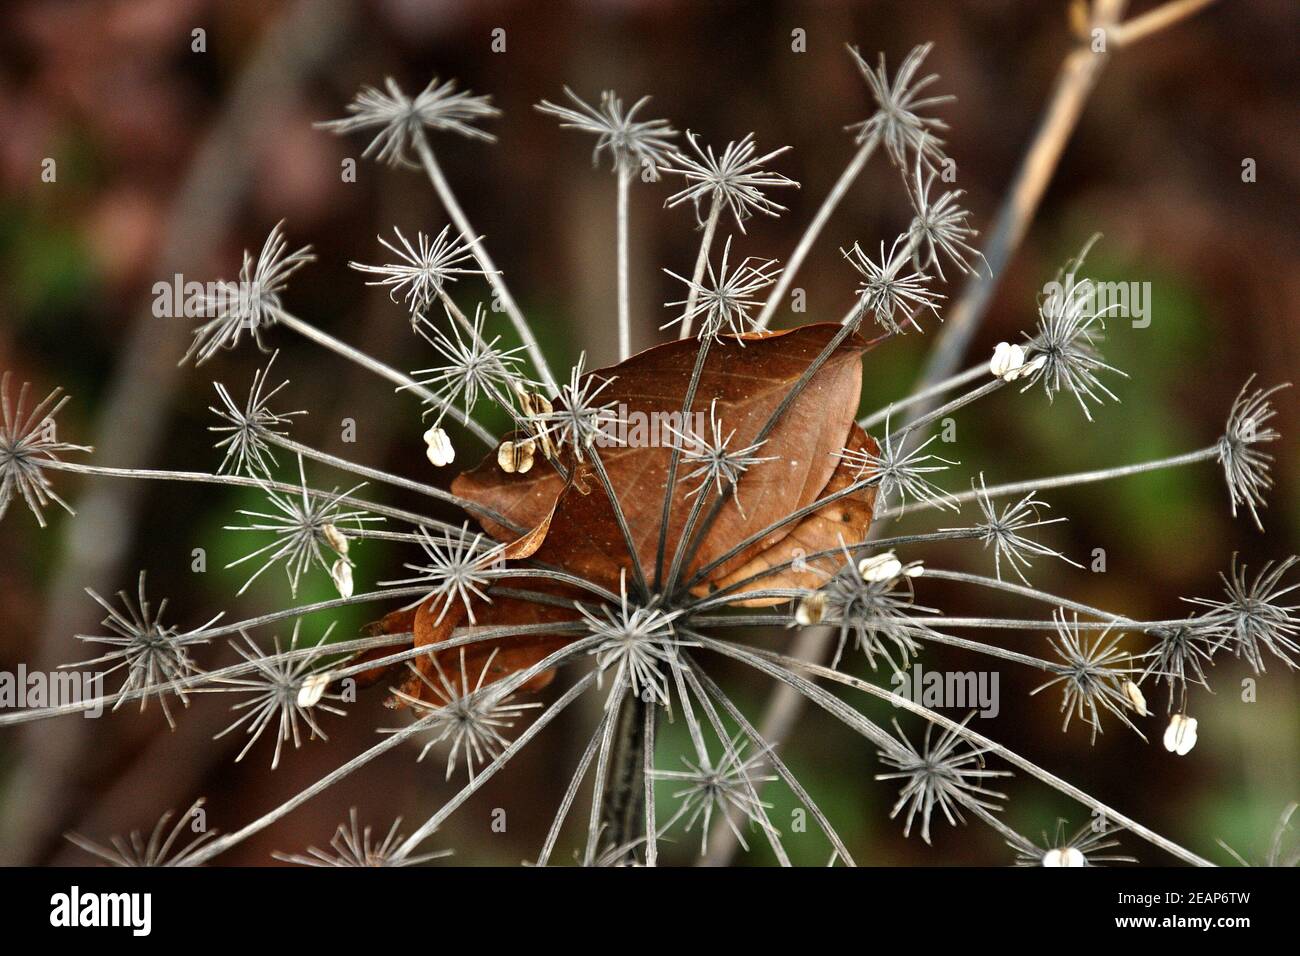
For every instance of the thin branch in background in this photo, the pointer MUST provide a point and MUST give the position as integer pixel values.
(136, 405)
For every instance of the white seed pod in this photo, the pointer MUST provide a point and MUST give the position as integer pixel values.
(1066, 856)
(335, 538)
(313, 689)
(536, 408)
(811, 609)
(880, 567)
(341, 573)
(439, 447)
(1135, 697)
(517, 456)
(1180, 735)
(1031, 366)
(534, 405)
(1007, 361)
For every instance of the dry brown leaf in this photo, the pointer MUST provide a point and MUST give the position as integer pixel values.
(749, 381)
(573, 523)
(842, 522)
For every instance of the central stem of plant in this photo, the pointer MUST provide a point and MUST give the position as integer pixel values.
(624, 798)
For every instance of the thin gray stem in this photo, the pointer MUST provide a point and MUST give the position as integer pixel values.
(1069, 481)
(647, 776)
(959, 534)
(625, 175)
(1029, 592)
(401, 379)
(976, 739)
(601, 788)
(837, 193)
(493, 275)
(947, 408)
(571, 792)
(796, 515)
(222, 844)
(701, 260)
(1075, 81)
(772, 834)
(426, 829)
(924, 395)
(769, 749)
(240, 481)
(674, 460)
(397, 481)
(638, 572)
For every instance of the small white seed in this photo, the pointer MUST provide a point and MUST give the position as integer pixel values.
(811, 609)
(313, 689)
(439, 447)
(341, 574)
(336, 539)
(1065, 856)
(1180, 735)
(516, 456)
(1007, 361)
(1135, 697)
(880, 567)
(535, 409)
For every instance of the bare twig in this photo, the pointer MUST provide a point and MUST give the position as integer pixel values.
(1153, 21)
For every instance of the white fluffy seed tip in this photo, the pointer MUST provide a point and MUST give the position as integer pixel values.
(438, 447)
(1180, 735)
(880, 567)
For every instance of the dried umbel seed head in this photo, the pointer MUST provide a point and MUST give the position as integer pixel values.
(516, 456)
(943, 773)
(724, 298)
(634, 145)
(795, 396)
(253, 303)
(29, 438)
(731, 179)
(398, 121)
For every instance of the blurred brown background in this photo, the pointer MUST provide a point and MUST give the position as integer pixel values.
(170, 160)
